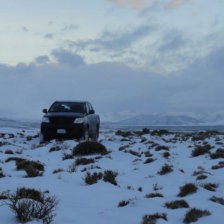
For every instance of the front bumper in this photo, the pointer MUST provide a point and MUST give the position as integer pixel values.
(50, 130)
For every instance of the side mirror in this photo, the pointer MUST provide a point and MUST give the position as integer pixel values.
(91, 112)
(45, 111)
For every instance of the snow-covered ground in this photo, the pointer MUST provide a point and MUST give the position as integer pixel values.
(98, 203)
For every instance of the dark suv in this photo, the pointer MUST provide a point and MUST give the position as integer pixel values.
(73, 120)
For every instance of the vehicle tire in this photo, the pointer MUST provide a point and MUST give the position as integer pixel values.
(95, 135)
(43, 138)
(85, 136)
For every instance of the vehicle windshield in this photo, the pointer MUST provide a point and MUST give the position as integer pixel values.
(68, 107)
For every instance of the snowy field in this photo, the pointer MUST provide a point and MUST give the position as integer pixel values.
(152, 170)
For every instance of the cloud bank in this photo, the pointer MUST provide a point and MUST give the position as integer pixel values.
(25, 89)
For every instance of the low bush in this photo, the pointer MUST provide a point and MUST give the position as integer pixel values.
(1, 173)
(162, 147)
(218, 154)
(149, 160)
(160, 132)
(134, 153)
(58, 171)
(9, 151)
(83, 161)
(123, 203)
(124, 134)
(217, 200)
(67, 156)
(187, 189)
(110, 176)
(32, 168)
(89, 148)
(154, 195)
(165, 169)
(54, 148)
(210, 186)
(201, 177)
(218, 166)
(92, 178)
(201, 149)
(194, 214)
(177, 204)
(30, 204)
(151, 219)
(166, 154)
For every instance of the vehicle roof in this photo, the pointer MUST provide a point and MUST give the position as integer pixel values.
(70, 101)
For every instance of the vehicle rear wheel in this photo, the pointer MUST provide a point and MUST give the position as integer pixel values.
(43, 138)
(95, 135)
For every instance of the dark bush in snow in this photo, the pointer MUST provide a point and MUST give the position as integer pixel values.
(92, 178)
(189, 188)
(218, 154)
(217, 200)
(218, 166)
(151, 219)
(30, 204)
(110, 176)
(194, 214)
(154, 195)
(123, 203)
(89, 148)
(165, 169)
(210, 186)
(83, 161)
(177, 204)
(201, 149)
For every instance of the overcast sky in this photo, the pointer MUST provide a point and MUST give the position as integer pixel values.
(127, 57)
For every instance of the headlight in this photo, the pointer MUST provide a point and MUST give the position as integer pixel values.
(45, 120)
(79, 120)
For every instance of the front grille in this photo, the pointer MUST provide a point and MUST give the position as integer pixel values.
(62, 120)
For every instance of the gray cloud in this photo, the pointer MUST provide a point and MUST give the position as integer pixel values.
(115, 40)
(49, 36)
(112, 87)
(42, 59)
(67, 57)
(70, 27)
(25, 29)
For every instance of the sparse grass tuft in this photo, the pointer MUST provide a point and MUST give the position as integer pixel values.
(187, 189)
(162, 147)
(149, 160)
(194, 214)
(210, 186)
(217, 200)
(58, 171)
(110, 176)
(9, 151)
(54, 148)
(92, 178)
(218, 166)
(123, 203)
(151, 219)
(201, 149)
(201, 177)
(165, 169)
(154, 195)
(166, 154)
(218, 154)
(67, 156)
(30, 204)
(83, 161)
(124, 134)
(89, 148)
(32, 168)
(177, 204)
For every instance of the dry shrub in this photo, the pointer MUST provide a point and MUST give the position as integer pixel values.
(201, 149)
(177, 204)
(123, 203)
(187, 189)
(151, 219)
(89, 148)
(30, 204)
(165, 169)
(194, 214)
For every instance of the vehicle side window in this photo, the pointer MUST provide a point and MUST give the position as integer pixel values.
(87, 108)
(90, 107)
